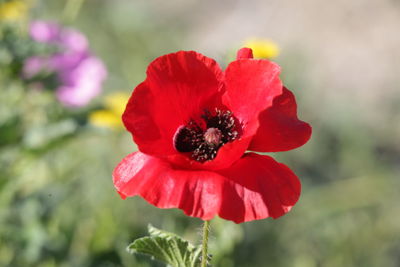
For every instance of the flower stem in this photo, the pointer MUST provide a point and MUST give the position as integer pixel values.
(204, 254)
(71, 9)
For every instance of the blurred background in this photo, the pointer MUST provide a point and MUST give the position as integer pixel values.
(68, 67)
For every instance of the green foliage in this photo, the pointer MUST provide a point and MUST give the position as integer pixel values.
(15, 47)
(167, 247)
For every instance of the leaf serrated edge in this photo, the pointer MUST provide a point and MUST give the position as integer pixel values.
(191, 253)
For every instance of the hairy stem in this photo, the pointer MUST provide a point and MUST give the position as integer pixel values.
(204, 254)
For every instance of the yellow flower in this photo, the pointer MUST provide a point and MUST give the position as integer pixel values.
(116, 102)
(105, 119)
(110, 116)
(13, 10)
(263, 48)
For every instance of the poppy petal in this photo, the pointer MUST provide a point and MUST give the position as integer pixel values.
(197, 193)
(258, 187)
(255, 187)
(280, 129)
(226, 155)
(178, 87)
(244, 53)
(251, 86)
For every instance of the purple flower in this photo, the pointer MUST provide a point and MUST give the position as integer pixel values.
(73, 40)
(80, 74)
(44, 32)
(82, 83)
(33, 66)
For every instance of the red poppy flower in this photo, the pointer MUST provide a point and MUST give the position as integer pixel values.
(193, 124)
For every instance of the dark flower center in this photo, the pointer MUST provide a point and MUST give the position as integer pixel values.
(203, 143)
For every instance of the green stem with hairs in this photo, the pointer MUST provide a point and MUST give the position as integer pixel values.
(204, 254)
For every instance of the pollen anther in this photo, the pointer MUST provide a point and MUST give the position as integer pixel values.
(204, 143)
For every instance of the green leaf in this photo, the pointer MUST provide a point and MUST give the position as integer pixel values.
(167, 247)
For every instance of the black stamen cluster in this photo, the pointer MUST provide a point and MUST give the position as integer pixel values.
(223, 121)
(190, 138)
